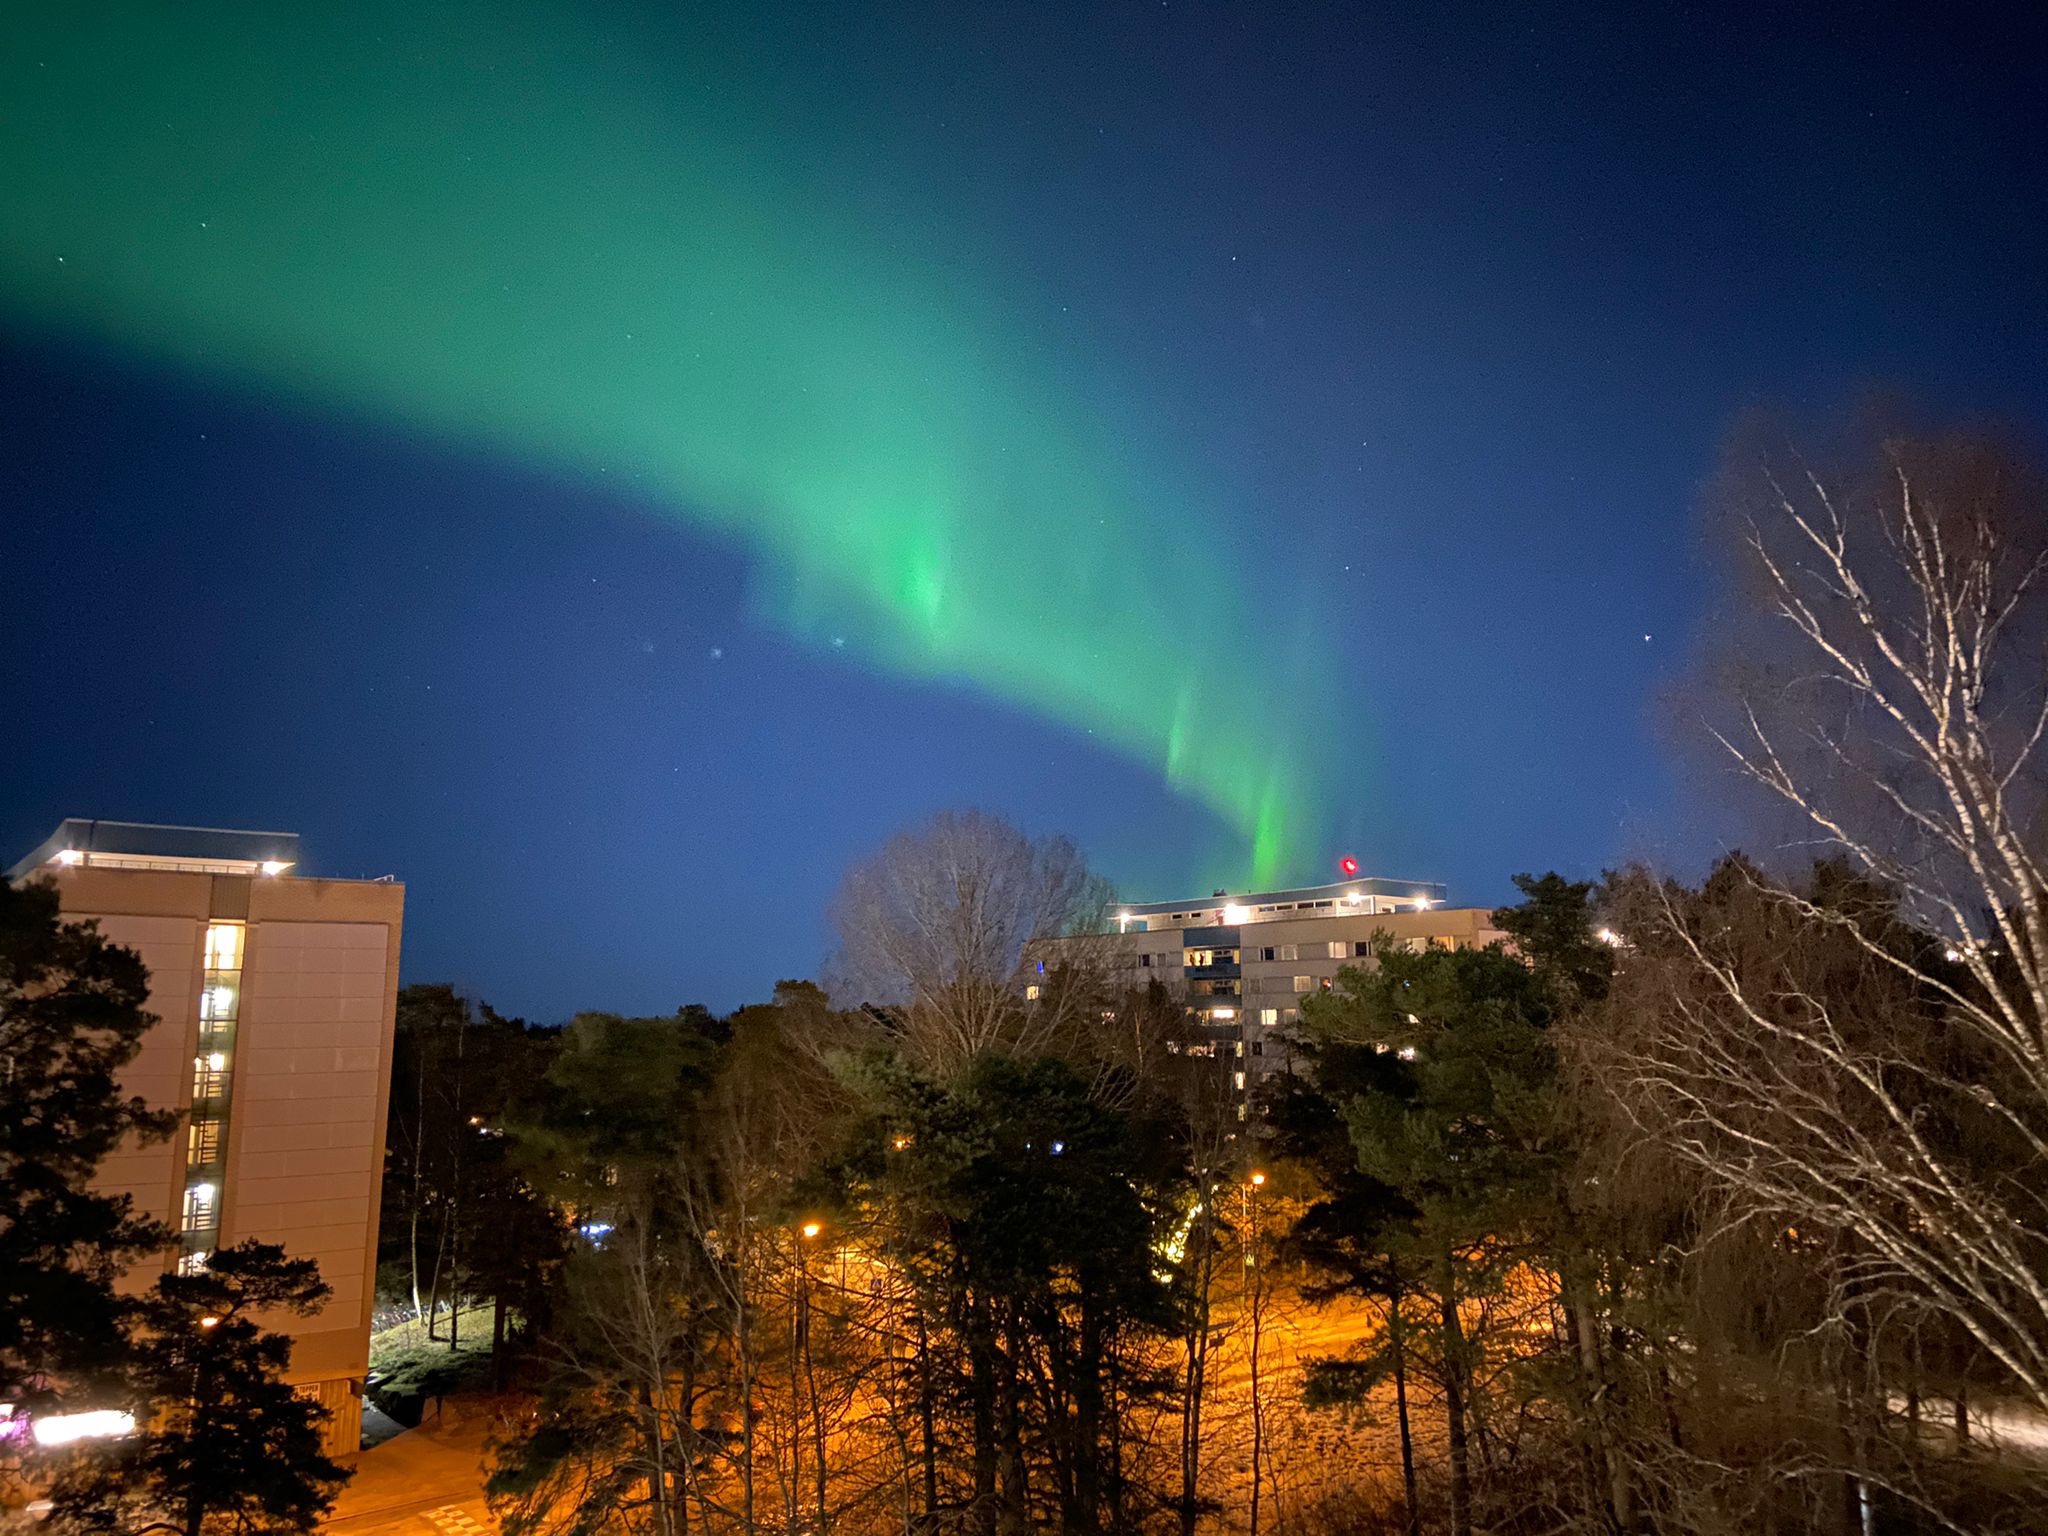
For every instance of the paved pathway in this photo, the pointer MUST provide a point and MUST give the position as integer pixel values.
(421, 1482)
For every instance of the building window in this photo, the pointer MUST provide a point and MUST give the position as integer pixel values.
(1238, 1079)
(1290, 952)
(224, 946)
(1031, 994)
(1269, 1016)
(1258, 1047)
(1301, 983)
(1337, 949)
(209, 1077)
(1145, 959)
(201, 1212)
(1267, 953)
(1289, 1015)
(1240, 1047)
(220, 1002)
(1362, 948)
(194, 1263)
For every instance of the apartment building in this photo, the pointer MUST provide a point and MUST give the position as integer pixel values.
(1245, 962)
(276, 998)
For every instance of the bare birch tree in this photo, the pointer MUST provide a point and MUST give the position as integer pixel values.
(1890, 690)
(936, 925)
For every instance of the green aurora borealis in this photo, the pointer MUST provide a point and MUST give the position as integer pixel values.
(517, 232)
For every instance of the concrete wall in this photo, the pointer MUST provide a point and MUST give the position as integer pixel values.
(312, 1071)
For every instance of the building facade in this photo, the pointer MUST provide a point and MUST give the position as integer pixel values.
(276, 999)
(1243, 963)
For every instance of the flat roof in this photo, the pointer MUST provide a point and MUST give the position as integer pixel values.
(1364, 885)
(148, 840)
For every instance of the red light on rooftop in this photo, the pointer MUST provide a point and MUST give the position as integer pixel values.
(1348, 865)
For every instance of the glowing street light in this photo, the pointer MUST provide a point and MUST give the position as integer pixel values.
(69, 1428)
(812, 1228)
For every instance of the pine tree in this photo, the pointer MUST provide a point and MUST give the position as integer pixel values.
(226, 1444)
(71, 1017)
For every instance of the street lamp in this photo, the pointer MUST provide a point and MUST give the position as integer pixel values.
(803, 1368)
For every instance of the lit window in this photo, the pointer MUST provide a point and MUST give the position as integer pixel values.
(1031, 994)
(1337, 949)
(1301, 983)
(209, 1076)
(1240, 1047)
(203, 1144)
(1269, 1016)
(224, 946)
(194, 1263)
(1238, 1078)
(200, 1211)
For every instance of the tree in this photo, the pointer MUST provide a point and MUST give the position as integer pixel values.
(936, 926)
(225, 1445)
(1027, 1215)
(1884, 685)
(71, 1017)
(1357, 1238)
(1447, 1092)
(458, 1219)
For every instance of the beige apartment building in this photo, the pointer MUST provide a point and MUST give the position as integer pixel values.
(276, 998)
(1245, 962)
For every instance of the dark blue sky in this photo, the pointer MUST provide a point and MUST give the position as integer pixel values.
(1459, 303)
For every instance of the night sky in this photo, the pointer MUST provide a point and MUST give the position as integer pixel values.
(609, 465)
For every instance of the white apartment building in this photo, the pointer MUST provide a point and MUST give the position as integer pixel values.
(1244, 962)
